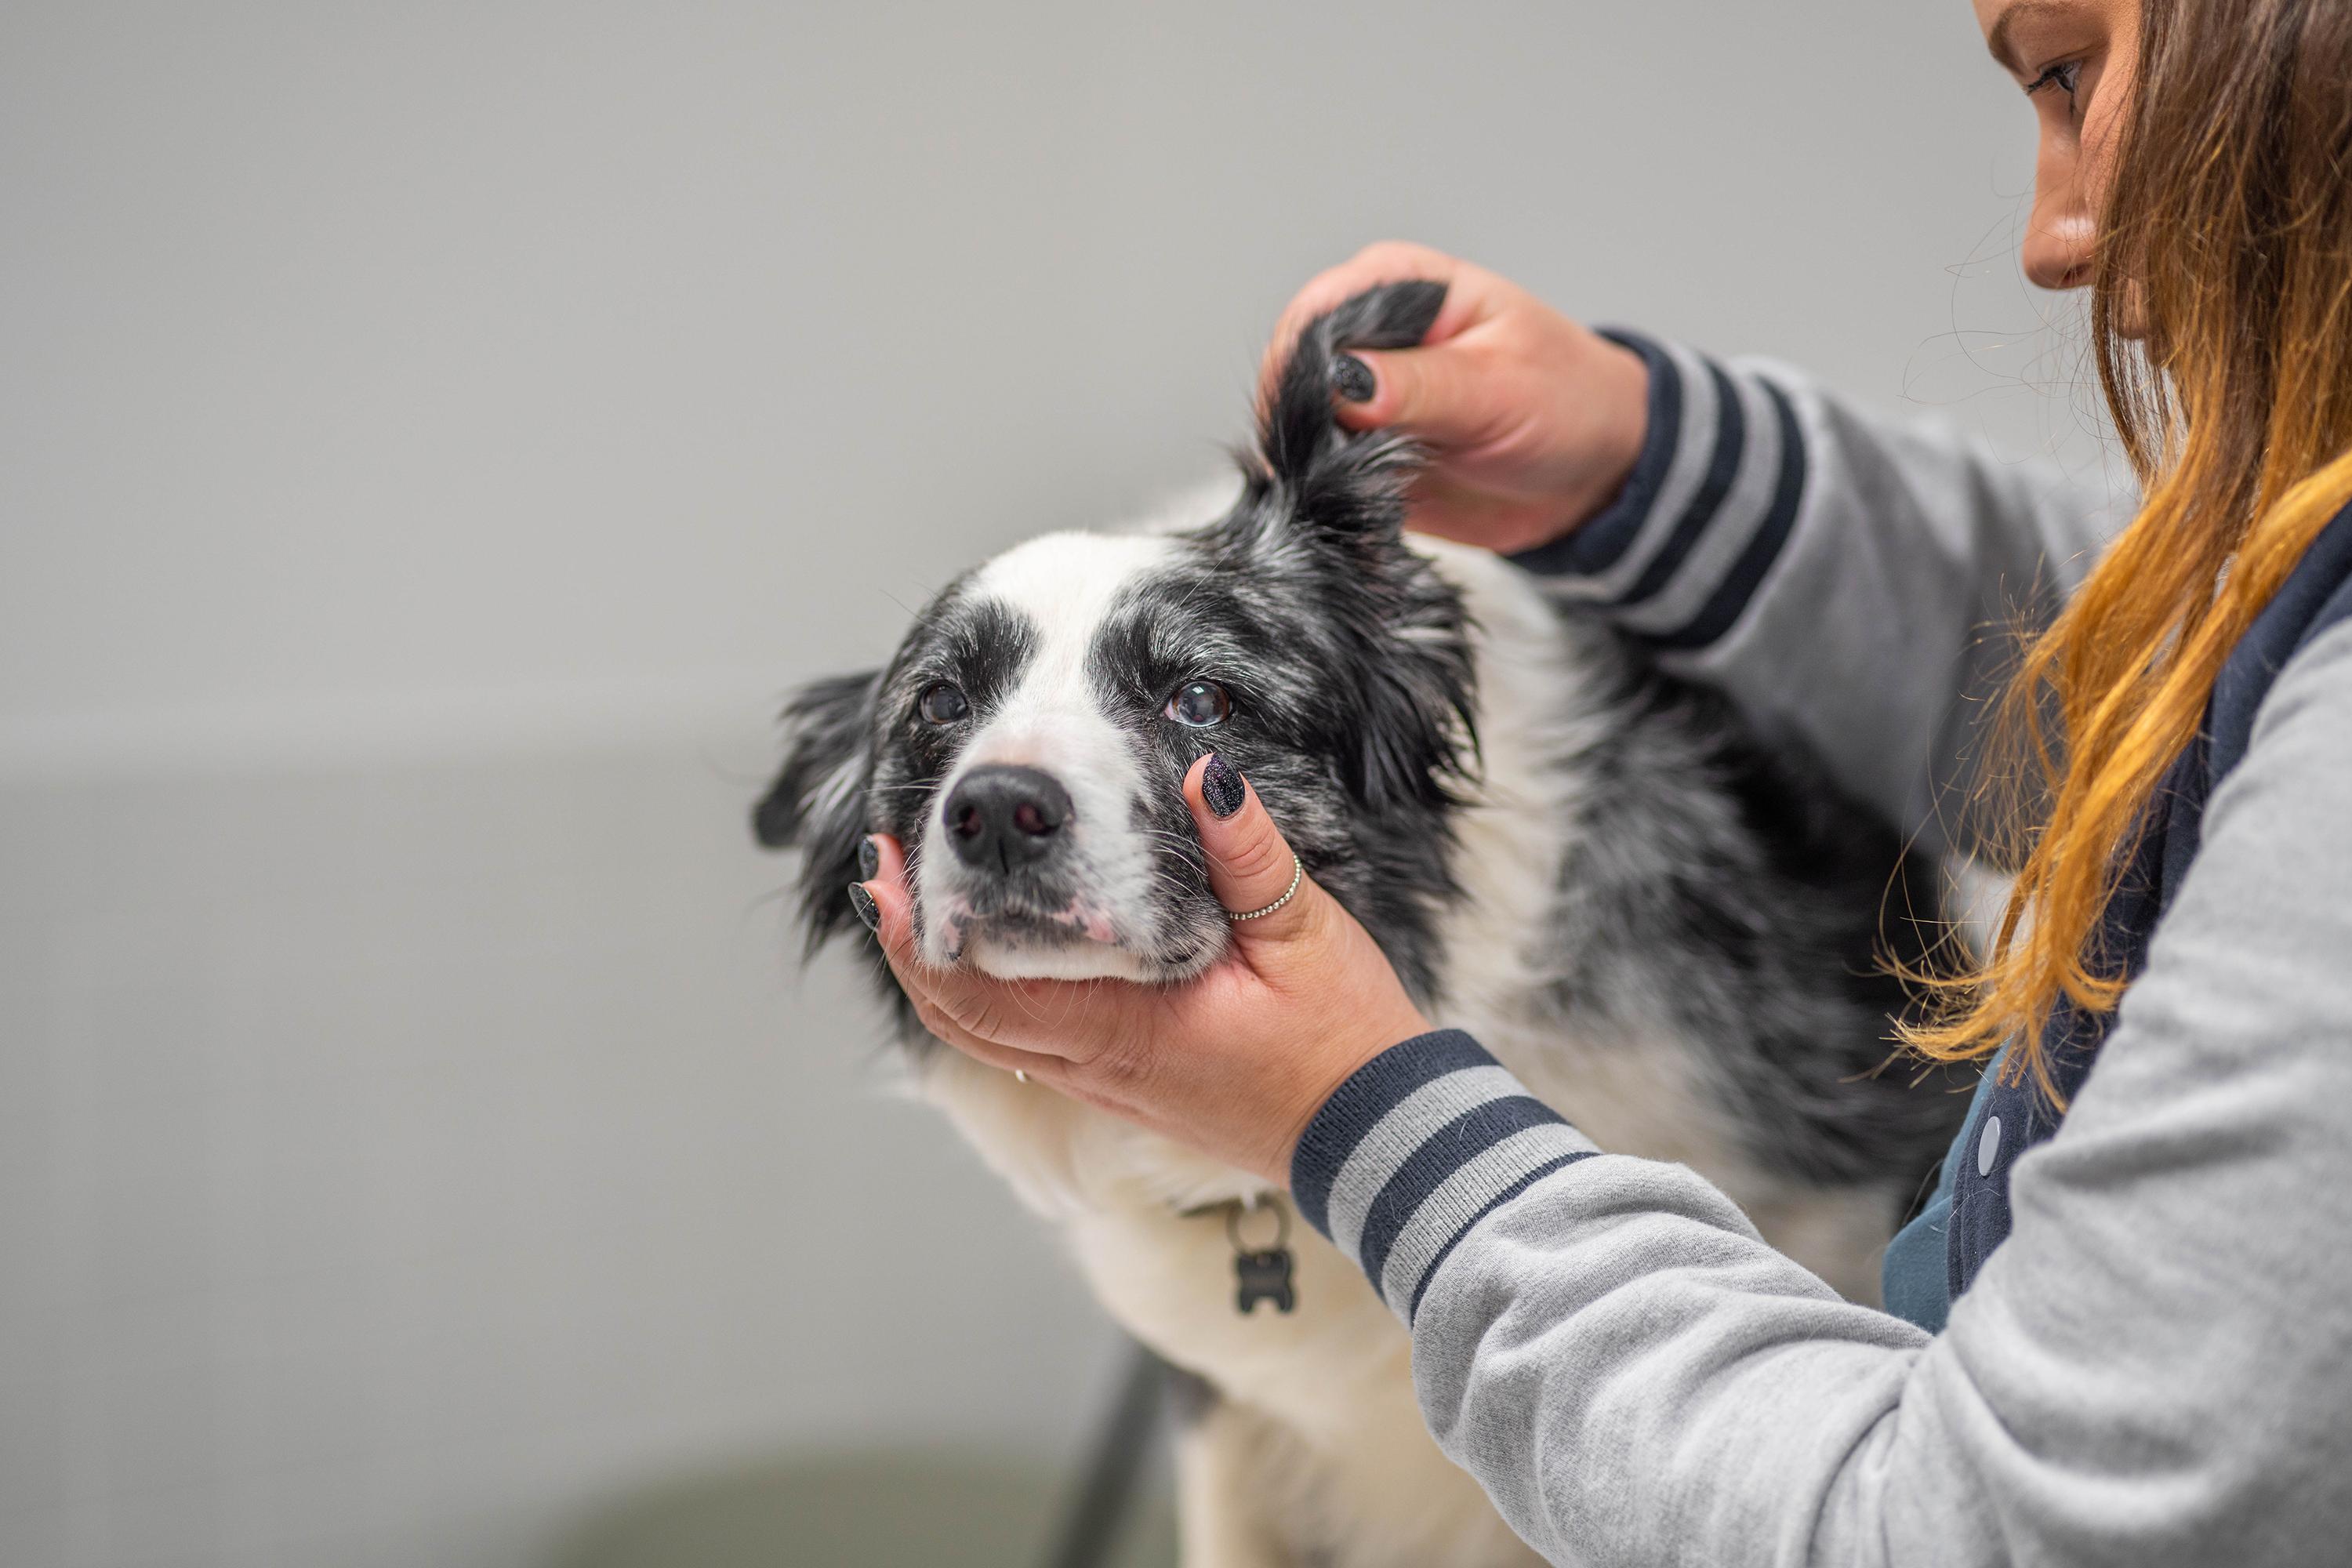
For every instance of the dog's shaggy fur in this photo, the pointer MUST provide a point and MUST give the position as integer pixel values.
(1668, 933)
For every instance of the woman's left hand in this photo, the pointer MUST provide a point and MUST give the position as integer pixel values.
(1235, 1062)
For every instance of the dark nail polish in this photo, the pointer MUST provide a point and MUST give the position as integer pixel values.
(1221, 787)
(1351, 378)
(869, 859)
(863, 902)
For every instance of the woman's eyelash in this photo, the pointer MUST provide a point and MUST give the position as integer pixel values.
(2067, 74)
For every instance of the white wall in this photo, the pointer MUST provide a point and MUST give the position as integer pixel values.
(366, 358)
(430, 438)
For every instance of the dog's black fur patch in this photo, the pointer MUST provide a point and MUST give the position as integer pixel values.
(1734, 899)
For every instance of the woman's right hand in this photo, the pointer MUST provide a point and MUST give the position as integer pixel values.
(1532, 421)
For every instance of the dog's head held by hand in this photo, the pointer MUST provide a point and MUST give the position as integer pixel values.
(1026, 741)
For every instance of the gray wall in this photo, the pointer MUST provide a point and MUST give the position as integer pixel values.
(430, 439)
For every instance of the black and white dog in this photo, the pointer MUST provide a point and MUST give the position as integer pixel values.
(1668, 934)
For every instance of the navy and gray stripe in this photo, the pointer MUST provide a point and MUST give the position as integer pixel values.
(1709, 505)
(1421, 1144)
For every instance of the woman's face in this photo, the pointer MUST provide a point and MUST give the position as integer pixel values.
(2073, 59)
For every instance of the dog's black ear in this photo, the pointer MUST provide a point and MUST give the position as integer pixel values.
(1328, 478)
(817, 803)
(825, 728)
(1390, 618)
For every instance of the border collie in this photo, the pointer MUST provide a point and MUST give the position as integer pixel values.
(1666, 932)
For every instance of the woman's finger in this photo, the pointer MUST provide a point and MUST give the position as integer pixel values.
(1034, 1065)
(1252, 868)
(894, 927)
(1032, 1017)
(1440, 392)
(894, 930)
(1389, 262)
(880, 856)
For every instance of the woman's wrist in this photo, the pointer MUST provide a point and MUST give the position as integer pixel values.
(1618, 389)
(1340, 1065)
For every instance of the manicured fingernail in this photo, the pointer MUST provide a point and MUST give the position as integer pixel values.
(863, 902)
(869, 859)
(1221, 787)
(1351, 378)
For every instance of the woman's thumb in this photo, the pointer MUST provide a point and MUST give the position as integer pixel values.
(1251, 869)
(1427, 391)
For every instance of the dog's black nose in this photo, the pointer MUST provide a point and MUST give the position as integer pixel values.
(1001, 817)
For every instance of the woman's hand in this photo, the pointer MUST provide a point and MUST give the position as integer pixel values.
(1532, 420)
(1235, 1062)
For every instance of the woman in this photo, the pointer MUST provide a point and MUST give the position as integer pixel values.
(2125, 1332)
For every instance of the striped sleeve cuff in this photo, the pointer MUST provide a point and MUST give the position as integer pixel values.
(1711, 501)
(1423, 1142)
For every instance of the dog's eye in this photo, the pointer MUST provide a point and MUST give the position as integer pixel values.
(942, 704)
(1200, 704)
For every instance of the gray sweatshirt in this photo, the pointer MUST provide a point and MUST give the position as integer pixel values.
(2155, 1367)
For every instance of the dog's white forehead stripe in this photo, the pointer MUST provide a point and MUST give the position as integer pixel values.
(1066, 582)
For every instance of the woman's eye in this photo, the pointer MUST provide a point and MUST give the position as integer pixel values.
(2066, 78)
(1200, 704)
(942, 704)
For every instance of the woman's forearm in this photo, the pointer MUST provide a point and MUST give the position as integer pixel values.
(1603, 1342)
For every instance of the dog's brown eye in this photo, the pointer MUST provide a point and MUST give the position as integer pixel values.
(942, 704)
(1200, 704)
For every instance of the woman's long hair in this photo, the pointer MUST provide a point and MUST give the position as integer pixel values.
(2226, 238)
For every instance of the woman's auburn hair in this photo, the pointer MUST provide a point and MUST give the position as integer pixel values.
(2226, 236)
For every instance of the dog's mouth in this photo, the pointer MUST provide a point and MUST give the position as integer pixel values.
(1077, 939)
(1073, 925)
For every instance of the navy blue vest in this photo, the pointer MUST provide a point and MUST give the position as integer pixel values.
(1938, 1255)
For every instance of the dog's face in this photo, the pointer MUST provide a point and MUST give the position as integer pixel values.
(1027, 741)
(1032, 727)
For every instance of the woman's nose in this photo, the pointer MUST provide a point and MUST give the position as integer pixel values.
(2056, 252)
